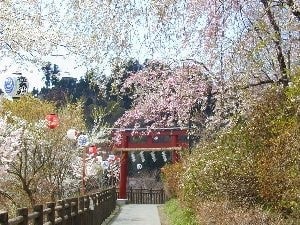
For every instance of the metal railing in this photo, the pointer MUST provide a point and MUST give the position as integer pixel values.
(145, 196)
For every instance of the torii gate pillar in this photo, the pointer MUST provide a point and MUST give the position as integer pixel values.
(123, 169)
(175, 156)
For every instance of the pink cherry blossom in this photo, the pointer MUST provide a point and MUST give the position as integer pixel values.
(164, 95)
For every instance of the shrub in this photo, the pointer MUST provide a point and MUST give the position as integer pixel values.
(254, 163)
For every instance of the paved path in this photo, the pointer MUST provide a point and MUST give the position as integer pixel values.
(134, 214)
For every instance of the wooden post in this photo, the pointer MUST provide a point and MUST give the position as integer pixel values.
(24, 213)
(74, 208)
(81, 209)
(68, 212)
(61, 212)
(124, 169)
(51, 214)
(38, 220)
(4, 218)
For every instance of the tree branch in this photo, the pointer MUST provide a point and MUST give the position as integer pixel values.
(277, 42)
(292, 6)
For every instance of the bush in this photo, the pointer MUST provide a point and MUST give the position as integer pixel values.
(254, 163)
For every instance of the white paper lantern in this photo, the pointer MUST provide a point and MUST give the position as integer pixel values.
(72, 134)
(139, 166)
(82, 140)
(105, 164)
(111, 157)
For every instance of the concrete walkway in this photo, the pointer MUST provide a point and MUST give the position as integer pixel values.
(134, 214)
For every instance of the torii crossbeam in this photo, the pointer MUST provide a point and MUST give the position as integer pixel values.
(141, 139)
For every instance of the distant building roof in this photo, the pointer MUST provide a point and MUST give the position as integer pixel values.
(69, 78)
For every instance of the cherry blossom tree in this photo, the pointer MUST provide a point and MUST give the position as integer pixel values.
(239, 43)
(44, 156)
(165, 95)
(249, 41)
(9, 147)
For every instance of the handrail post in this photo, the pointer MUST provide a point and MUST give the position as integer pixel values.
(4, 218)
(39, 219)
(81, 209)
(61, 212)
(75, 209)
(68, 212)
(24, 213)
(51, 215)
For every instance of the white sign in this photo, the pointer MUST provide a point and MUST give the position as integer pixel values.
(16, 86)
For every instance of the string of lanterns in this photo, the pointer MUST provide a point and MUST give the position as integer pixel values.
(52, 121)
(82, 141)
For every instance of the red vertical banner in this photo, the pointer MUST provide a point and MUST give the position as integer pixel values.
(123, 169)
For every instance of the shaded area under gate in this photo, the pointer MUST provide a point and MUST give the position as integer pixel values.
(172, 139)
(145, 196)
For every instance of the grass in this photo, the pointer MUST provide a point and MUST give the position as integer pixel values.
(179, 215)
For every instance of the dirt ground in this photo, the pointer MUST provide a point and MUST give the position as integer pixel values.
(162, 215)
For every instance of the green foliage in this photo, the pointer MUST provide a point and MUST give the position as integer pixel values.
(179, 215)
(254, 163)
(51, 74)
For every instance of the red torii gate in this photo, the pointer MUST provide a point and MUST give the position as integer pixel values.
(162, 139)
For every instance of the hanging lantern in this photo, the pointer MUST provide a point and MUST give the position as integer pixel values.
(82, 140)
(111, 157)
(139, 166)
(105, 164)
(72, 134)
(52, 120)
(93, 150)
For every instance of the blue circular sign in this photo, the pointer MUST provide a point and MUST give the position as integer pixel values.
(9, 85)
